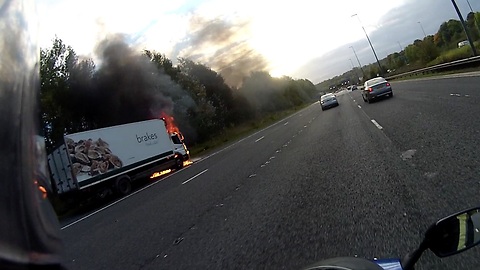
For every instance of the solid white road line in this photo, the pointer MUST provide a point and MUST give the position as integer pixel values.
(115, 202)
(99, 210)
(259, 139)
(376, 124)
(195, 176)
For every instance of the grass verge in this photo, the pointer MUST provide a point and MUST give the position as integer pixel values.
(234, 133)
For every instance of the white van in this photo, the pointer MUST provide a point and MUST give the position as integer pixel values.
(463, 43)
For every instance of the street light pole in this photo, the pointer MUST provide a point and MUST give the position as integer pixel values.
(423, 30)
(369, 42)
(465, 28)
(360, 65)
(400, 46)
(353, 68)
(404, 54)
(351, 62)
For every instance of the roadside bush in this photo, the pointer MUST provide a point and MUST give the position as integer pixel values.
(454, 54)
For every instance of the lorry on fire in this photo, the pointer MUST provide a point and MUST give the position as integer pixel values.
(106, 160)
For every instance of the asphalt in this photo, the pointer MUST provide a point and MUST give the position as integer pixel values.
(312, 186)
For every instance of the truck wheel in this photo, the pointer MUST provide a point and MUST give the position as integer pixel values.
(123, 186)
(178, 163)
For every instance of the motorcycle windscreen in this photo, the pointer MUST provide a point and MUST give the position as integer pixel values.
(389, 264)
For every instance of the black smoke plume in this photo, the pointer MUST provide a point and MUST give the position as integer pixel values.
(128, 87)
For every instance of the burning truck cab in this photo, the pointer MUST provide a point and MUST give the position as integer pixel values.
(180, 147)
(176, 136)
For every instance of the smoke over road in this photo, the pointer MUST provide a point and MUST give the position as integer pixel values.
(127, 87)
(222, 46)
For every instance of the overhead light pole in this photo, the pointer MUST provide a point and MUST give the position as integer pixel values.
(353, 68)
(465, 28)
(351, 62)
(400, 46)
(360, 65)
(423, 30)
(404, 53)
(369, 42)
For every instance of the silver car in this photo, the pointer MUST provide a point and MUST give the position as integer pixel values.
(375, 88)
(328, 100)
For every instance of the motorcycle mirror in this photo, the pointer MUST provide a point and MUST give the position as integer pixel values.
(455, 233)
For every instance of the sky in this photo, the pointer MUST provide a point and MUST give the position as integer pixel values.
(301, 39)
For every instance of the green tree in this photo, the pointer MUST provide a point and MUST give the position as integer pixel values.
(450, 33)
(477, 21)
(428, 51)
(472, 26)
(412, 51)
(218, 93)
(164, 64)
(438, 40)
(56, 65)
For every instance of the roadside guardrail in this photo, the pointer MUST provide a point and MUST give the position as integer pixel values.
(462, 63)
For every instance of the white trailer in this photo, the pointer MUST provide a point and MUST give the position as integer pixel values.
(109, 159)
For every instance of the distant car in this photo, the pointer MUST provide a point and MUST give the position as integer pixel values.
(352, 88)
(375, 88)
(463, 43)
(328, 101)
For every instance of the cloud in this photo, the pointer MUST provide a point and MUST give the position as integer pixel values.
(223, 46)
(399, 25)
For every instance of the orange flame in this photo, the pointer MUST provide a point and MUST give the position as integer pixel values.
(170, 123)
(42, 189)
(158, 174)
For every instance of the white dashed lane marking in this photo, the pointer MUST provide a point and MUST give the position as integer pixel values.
(259, 139)
(193, 177)
(376, 124)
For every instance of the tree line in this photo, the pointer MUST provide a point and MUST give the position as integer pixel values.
(125, 86)
(434, 49)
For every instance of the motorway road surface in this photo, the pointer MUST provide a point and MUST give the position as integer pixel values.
(312, 186)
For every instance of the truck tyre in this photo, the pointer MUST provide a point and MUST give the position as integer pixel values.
(178, 163)
(123, 186)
